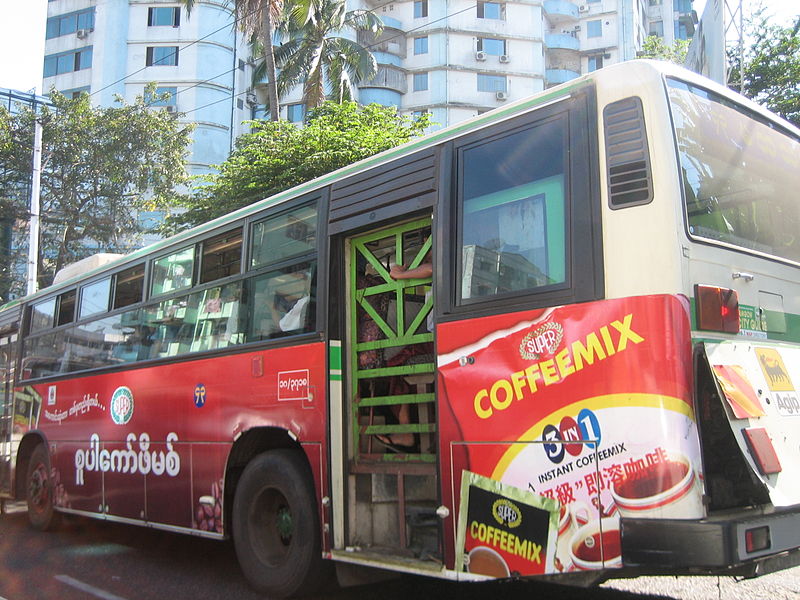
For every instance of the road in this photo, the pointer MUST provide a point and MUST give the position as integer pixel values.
(87, 559)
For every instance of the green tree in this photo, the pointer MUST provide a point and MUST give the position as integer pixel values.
(275, 156)
(316, 55)
(655, 47)
(100, 166)
(771, 66)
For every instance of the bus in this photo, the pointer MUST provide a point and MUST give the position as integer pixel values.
(558, 341)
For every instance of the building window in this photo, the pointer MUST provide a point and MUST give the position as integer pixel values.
(162, 56)
(491, 10)
(418, 114)
(656, 2)
(420, 82)
(492, 83)
(241, 64)
(657, 28)
(75, 92)
(492, 46)
(67, 62)
(594, 29)
(158, 98)
(163, 16)
(681, 33)
(295, 113)
(421, 9)
(595, 62)
(70, 23)
(421, 45)
(593, 1)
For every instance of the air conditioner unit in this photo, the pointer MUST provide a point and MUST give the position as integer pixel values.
(583, 8)
(577, 28)
(480, 55)
(501, 95)
(504, 58)
(606, 56)
(171, 108)
(251, 98)
(82, 33)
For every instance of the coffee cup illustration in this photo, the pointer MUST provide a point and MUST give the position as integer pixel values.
(570, 517)
(666, 489)
(486, 561)
(597, 545)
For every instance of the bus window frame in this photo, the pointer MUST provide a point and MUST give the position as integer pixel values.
(584, 279)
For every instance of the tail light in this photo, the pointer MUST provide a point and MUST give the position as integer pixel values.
(757, 539)
(717, 308)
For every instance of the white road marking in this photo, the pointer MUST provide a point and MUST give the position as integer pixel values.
(85, 587)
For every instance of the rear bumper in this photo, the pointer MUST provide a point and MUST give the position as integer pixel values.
(714, 545)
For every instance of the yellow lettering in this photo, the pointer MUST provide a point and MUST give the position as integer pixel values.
(483, 413)
(506, 387)
(482, 532)
(626, 333)
(534, 553)
(473, 529)
(532, 373)
(564, 362)
(592, 349)
(609, 345)
(520, 547)
(503, 541)
(549, 374)
(517, 379)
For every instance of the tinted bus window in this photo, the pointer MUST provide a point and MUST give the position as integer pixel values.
(513, 212)
(290, 234)
(42, 315)
(94, 298)
(221, 256)
(282, 302)
(173, 272)
(66, 308)
(128, 286)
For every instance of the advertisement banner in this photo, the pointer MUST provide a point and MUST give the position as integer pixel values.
(588, 405)
(506, 531)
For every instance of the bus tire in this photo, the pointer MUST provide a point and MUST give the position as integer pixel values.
(40, 491)
(276, 529)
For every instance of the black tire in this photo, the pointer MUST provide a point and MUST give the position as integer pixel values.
(40, 491)
(276, 528)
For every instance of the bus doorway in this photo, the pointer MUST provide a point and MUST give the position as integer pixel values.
(8, 357)
(392, 486)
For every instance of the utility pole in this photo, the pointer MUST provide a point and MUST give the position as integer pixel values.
(735, 25)
(36, 178)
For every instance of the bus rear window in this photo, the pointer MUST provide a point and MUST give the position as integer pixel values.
(513, 224)
(739, 173)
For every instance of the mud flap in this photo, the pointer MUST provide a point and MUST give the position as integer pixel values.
(756, 383)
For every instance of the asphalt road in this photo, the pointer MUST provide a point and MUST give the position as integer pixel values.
(87, 559)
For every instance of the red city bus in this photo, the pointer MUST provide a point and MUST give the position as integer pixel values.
(560, 340)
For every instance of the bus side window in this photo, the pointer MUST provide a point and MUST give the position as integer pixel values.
(281, 302)
(513, 212)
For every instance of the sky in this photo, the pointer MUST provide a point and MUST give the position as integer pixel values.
(22, 37)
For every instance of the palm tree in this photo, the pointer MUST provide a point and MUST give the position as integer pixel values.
(255, 18)
(317, 57)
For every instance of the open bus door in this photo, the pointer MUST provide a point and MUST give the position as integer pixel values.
(8, 358)
(391, 484)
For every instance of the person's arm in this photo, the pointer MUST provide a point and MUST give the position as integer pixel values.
(424, 271)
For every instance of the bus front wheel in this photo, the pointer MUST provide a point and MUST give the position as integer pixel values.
(40, 491)
(276, 525)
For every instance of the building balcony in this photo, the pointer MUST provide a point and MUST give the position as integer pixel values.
(390, 41)
(556, 76)
(389, 77)
(561, 12)
(563, 41)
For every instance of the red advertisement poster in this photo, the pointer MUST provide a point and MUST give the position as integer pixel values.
(588, 405)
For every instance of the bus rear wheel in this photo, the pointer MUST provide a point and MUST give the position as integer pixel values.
(40, 491)
(276, 525)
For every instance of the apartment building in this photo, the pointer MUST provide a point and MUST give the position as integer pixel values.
(110, 48)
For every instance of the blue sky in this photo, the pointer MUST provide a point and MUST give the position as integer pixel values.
(22, 38)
